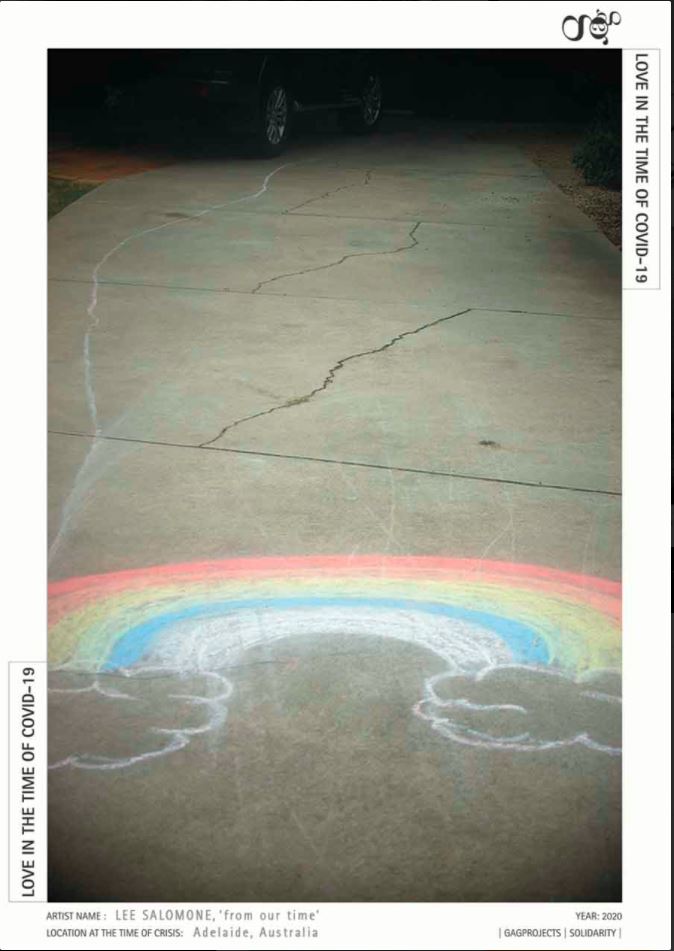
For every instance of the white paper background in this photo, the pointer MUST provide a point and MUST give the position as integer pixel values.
(26, 31)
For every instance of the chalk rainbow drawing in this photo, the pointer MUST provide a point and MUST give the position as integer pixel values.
(479, 617)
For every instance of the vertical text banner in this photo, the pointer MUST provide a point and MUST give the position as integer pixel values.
(27, 781)
(641, 169)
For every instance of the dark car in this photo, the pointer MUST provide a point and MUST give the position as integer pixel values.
(255, 93)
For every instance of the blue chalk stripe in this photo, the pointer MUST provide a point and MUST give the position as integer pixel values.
(524, 642)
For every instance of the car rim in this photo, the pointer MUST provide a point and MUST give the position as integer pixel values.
(371, 100)
(276, 117)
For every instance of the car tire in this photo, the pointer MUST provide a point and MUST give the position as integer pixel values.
(273, 122)
(366, 117)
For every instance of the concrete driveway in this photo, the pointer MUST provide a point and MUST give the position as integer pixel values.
(335, 530)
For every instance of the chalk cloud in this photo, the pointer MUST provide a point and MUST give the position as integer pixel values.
(106, 721)
(522, 708)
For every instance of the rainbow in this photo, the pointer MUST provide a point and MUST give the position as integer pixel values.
(187, 615)
(484, 619)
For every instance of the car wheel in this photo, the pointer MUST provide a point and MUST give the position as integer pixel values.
(368, 114)
(273, 126)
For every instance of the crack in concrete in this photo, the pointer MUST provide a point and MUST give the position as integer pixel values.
(330, 377)
(332, 191)
(355, 254)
